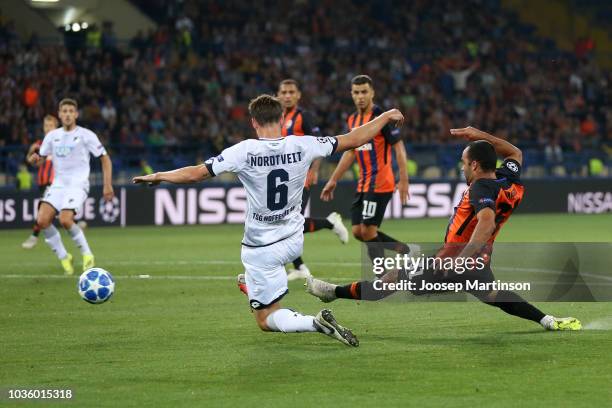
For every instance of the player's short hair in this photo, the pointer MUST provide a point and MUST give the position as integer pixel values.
(362, 79)
(484, 153)
(289, 81)
(50, 117)
(68, 101)
(266, 109)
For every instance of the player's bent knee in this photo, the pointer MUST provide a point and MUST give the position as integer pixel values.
(66, 223)
(261, 320)
(369, 232)
(66, 219)
(261, 315)
(43, 223)
(356, 230)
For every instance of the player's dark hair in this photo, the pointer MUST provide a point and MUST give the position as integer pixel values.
(484, 153)
(362, 79)
(266, 109)
(68, 101)
(289, 81)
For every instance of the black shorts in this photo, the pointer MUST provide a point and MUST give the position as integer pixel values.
(305, 198)
(369, 208)
(42, 189)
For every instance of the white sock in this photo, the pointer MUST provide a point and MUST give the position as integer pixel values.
(54, 240)
(547, 321)
(288, 321)
(79, 238)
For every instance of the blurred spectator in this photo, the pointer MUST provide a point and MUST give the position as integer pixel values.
(145, 168)
(24, 178)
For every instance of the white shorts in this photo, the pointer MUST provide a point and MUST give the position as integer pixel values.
(264, 269)
(65, 198)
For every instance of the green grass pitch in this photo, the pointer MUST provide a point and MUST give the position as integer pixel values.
(185, 337)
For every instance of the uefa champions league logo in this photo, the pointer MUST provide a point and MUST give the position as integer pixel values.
(109, 210)
(512, 166)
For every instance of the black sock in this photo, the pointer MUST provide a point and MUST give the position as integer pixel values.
(297, 262)
(393, 244)
(362, 290)
(375, 248)
(350, 291)
(315, 224)
(515, 305)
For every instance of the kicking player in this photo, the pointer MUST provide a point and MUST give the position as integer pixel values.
(70, 146)
(273, 170)
(299, 122)
(490, 199)
(45, 176)
(376, 180)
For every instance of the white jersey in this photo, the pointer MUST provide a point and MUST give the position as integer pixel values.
(273, 172)
(70, 151)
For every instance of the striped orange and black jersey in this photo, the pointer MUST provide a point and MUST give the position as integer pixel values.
(45, 171)
(502, 194)
(299, 122)
(374, 158)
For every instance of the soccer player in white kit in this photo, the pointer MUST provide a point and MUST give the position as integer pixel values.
(70, 146)
(273, 170)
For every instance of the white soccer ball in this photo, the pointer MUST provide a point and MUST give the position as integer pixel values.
(96, 285)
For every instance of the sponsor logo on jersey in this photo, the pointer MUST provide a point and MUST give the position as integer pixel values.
(63, 151)
(366, 147)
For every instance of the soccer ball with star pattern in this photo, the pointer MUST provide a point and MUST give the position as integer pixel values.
(96, 285)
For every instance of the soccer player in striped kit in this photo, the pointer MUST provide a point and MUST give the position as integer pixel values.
(44, 177)
(376, 179)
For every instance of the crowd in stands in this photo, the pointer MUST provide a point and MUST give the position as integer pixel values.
(188, 83)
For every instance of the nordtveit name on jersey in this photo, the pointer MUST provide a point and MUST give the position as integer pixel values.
(278, 159)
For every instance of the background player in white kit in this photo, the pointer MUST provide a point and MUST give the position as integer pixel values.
(273, 170)
(70, 146)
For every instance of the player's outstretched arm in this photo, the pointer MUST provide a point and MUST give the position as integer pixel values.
(502, 147)
(185, 175)
(363, 134)
(107, 174)
(345, 163)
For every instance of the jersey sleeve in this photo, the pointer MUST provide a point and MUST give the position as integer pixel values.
(483, 194)
(511, 170)
(391, 134)
(46, 147)
(93, 144)
(321, 146)
(231, 160)
(308, 124)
